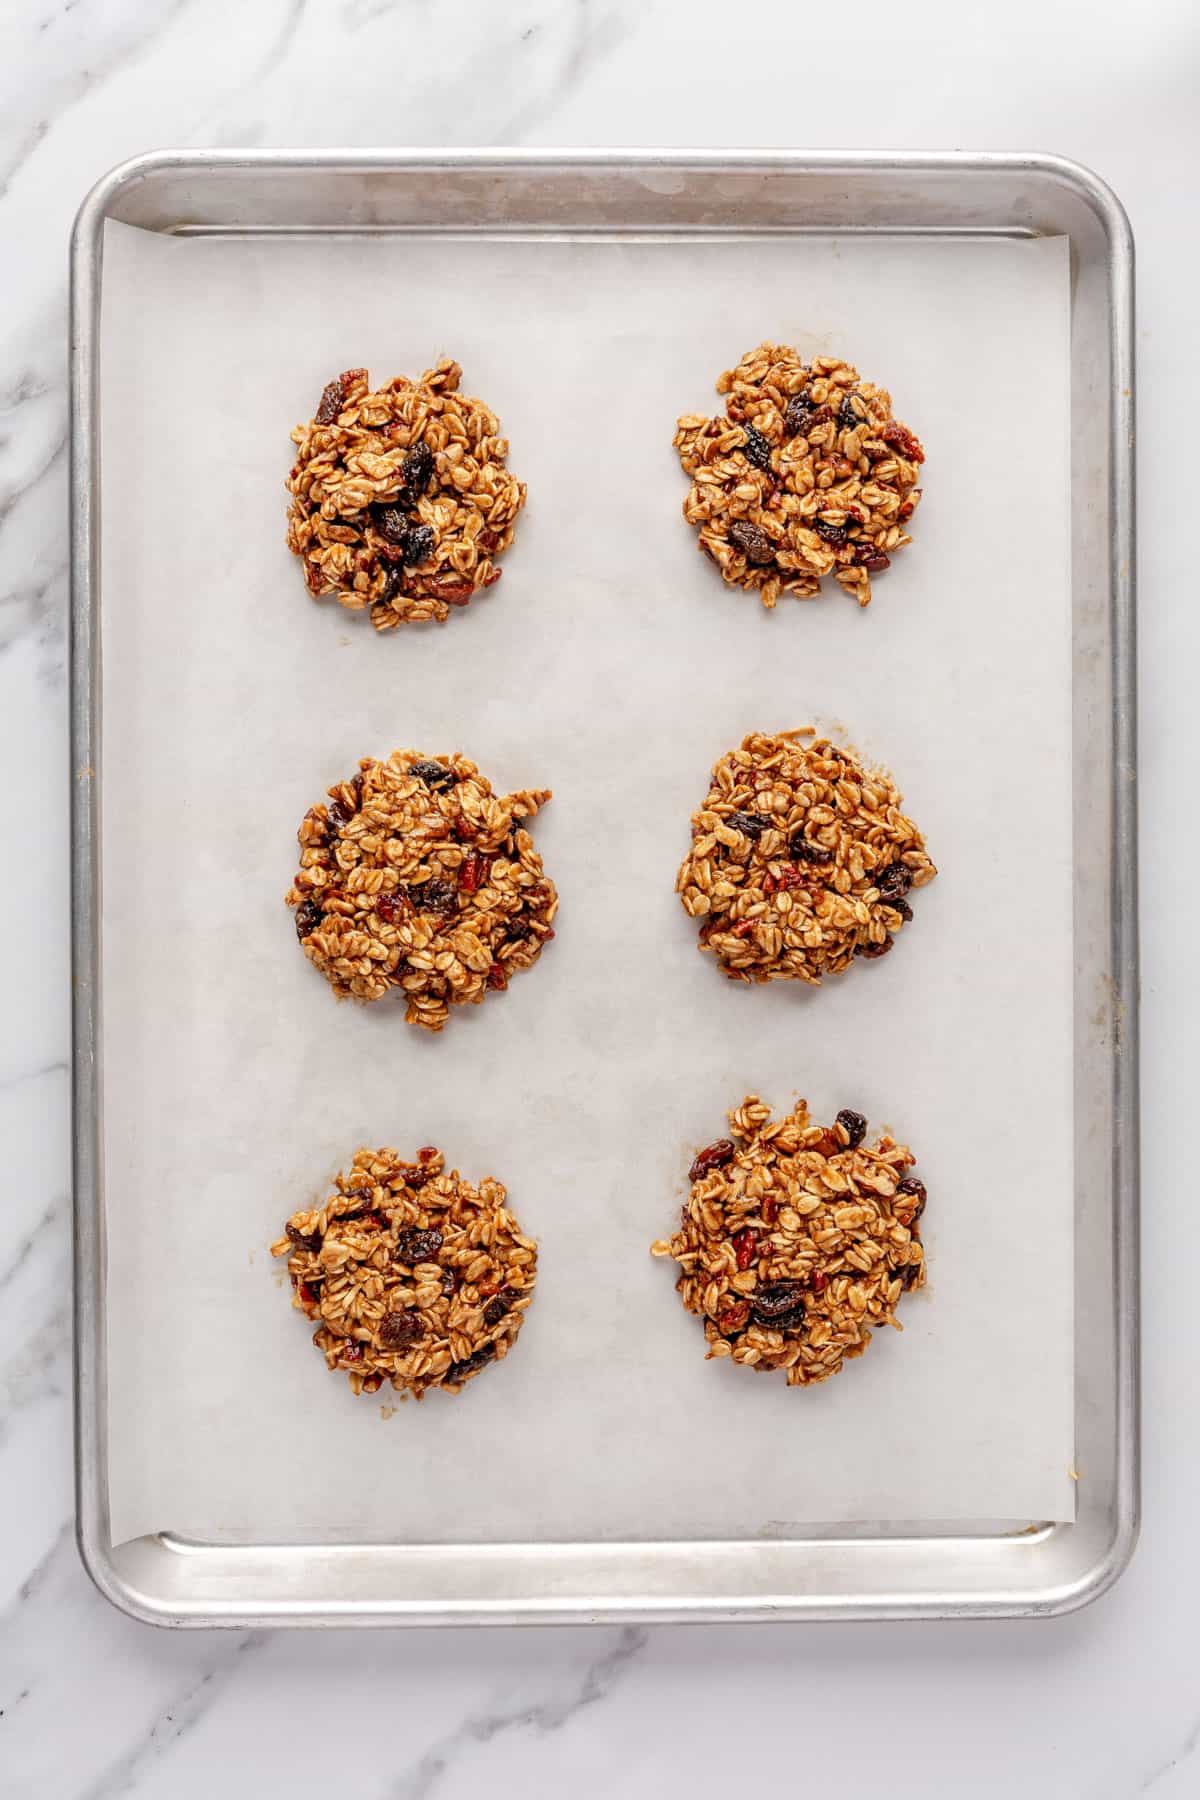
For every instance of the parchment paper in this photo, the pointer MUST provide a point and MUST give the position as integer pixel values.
(612, 665)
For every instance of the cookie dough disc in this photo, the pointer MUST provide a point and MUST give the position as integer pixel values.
(797, 1241)
(415, 875)
(806, 474)
(401, 496)
(801, 860)
(410, 1274)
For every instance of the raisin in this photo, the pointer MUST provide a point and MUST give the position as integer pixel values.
(848, 418)
(874, 562)
(417, 468)
(497, 977)
(752, 541)
(420, 544)
(517, 931)
(356, 788)
(756, 449)
(390, 522)
(332, 400)
(893, 882)
(802, 417)
(304, 1240)
(903, 908)
(474, 872)
(308, 917)
(414, 1246)
(779, 1303)
(733, 1318)
(873, 952)
(714, 1157)
(495, 1310)
(393, 584)
(913, 1186)
(800, 848)
(745, 1244)
(449, 1282)
(854, 1125)
(462, 1371)
(751, 825)
(907, 1275)
(401, 1330)
(434, 774)
(390, 907)
(416, 1179)
(309, 1292)
(902, 439)
(833, 534)
(436, 897)
(338, 815)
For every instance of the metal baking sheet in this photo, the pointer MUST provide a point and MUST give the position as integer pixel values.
(569, 196)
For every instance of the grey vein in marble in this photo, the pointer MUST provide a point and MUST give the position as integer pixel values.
(51, 1214)
(596, 1682)
(178, 1717)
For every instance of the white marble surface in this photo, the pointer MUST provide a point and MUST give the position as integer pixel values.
(1100, 1706)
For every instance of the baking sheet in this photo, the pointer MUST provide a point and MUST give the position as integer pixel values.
(611, 664)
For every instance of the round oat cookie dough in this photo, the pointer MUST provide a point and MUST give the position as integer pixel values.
(801, 860)
(401, 496)
(797, 1241)
(806, 474)
(414, 875)
(410, 1273)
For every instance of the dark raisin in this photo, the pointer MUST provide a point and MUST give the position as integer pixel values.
(872, 560)
(434, 774)
(495, 1310)
(893, 882)
(756, 449)
(848, 418)
(449, 1282)
(802, 417)
(873, 952)
(779, 1303)
(414, 1246)
(516, 931)
(390, 907)
(416, 1179)
(420, 544)
(714, 1157)
(356, 787)
(462, 1371)
(800, 848)
(304, 1240)
(435, 897)
(913, 1186)
(833, 534)
(332, 400)
(908, 1274)
(338, 815)
(854, 1125)
(417, 468)
(401, 1330)
(390, 522)
(308, 917)
(752, 541)
(751, 825)
(903, 908)
(733, 1317)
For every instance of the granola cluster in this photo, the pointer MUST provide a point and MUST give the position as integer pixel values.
(414, 875)
(797, 1241)
(410, 1274)
(806, 474)
(801, 860)
(401, 498)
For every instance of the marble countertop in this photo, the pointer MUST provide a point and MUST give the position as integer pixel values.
(1099, 1706)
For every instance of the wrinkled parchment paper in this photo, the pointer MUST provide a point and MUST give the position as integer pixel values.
(612, 665)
